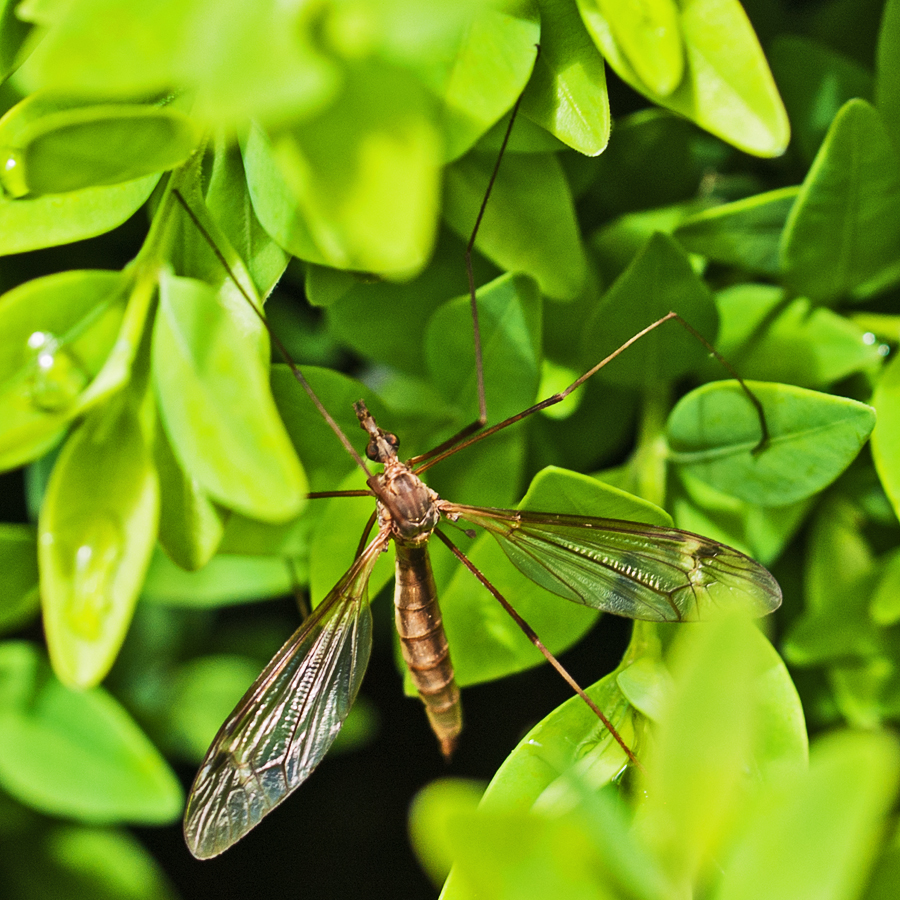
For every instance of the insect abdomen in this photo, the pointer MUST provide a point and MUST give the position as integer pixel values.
(424, 644)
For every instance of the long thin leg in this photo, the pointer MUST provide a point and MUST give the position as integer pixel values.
(532, 636)
(295, 369)
(559, 397)
(481, 421)
(364, 537)
(319, 495)
(299, 596)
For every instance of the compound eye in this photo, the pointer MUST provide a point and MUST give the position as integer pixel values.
(374, 447)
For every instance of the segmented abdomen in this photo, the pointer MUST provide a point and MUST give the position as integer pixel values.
(424, 643)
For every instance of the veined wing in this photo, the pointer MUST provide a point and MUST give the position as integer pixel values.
(287, 720)
(628, 568)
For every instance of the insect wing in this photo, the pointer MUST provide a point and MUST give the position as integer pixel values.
(628, 568)
(287, 720)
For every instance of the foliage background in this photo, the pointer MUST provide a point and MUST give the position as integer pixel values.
(805, 286)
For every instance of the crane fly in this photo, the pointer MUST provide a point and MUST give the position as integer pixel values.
(285, 723)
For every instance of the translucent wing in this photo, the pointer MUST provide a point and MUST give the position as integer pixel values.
(628, 568)
(286, 722)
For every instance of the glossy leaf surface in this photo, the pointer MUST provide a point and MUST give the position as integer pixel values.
(59, 331)
(95, 535)
(209, 384)
(36, 222)
(567, 91)
(77, 148)
(722, 58)
(19, 600)
(814, 437)
(77, 753)
(844, 230)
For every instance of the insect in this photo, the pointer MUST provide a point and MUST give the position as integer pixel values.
(287, 720)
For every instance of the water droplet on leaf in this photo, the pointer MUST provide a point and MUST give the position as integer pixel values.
(57, 376)
(12, 175)
(93, 574)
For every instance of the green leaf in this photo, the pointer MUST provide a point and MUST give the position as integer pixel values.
(558, 772)
(75, 861)
(13, 35)
(250, 537)
(190, 524)
(586, 850)
(79, 36)
(509, 312)
(769, 338)
(59, 334)
(761, 532)
(19, 600)
(96, 531)
(229, 203)
(657, 159)
(325, 461)
(273, 201)
(658, 280)
(887, 71)
(383, 321)
(717, 738)
(225, 580)
(567, 91)
(51, 220)
(885, 607)
(838, 574)
(432, 810)
(364, 174)
(264, 61)
(77, 753)
(745, 233)
(650, 40)
(489, 474)
(714, 430)
(616, 244)
(885, 881)
(198, 253)
(844, 229)
(815, 81)
(816, 835)
(538, 857)
(886, 436)
(726, 88)
(780, 740)
(529, 225)
(571, 740)
(487, 72)
(54, 152)
(217, 408)
(334, 544)
(841, 577)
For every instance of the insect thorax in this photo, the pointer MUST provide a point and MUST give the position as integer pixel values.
(408, 505)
